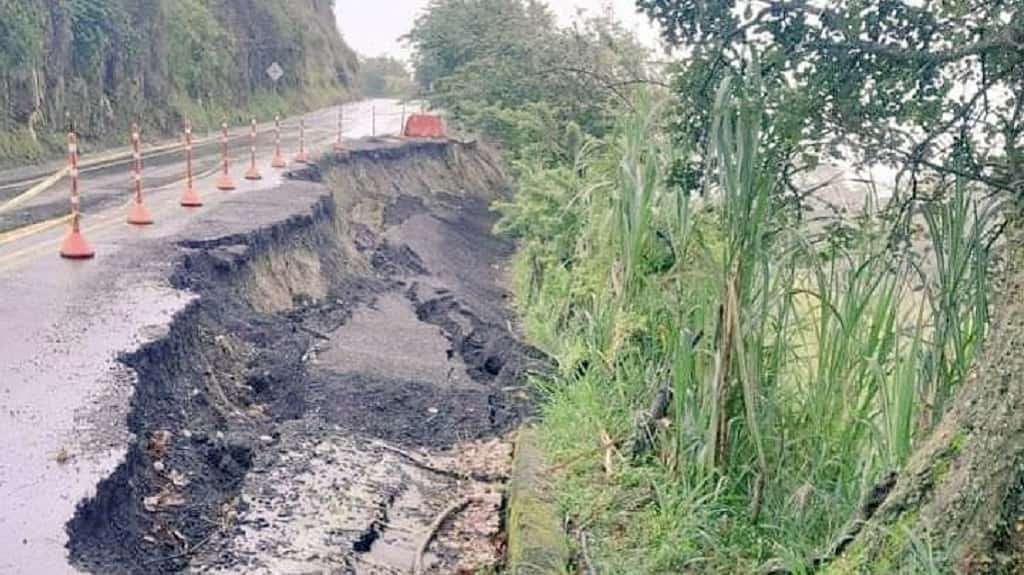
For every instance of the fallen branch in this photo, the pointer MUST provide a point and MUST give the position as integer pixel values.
(435, 527)
(609, 453)
(643, 436)
(872, 501)
(584, 455)
(452, 473)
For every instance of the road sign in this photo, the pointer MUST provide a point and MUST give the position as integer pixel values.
(275, 71)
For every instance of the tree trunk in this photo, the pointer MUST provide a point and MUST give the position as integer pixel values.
(958, 505)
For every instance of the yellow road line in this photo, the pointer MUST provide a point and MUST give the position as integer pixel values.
(91, 164)
(34, 190)
(101, 161)
(25, 231)
(34, 249)
(103, 222)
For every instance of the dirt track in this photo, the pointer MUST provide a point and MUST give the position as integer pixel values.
(342, 377)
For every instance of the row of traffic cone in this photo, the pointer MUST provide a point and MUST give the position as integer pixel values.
(76, 247)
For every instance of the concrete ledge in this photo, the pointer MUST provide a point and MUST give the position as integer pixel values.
(537, 544)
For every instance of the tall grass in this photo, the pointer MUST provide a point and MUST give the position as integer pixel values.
(798, 372)
(960, 231)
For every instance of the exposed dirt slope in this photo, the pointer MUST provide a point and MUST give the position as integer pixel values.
(343, 377)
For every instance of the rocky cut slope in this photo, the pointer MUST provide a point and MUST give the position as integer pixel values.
(106, 63)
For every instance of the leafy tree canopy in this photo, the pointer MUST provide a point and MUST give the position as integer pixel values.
(505, 67)
(931, 86)
(384, 76)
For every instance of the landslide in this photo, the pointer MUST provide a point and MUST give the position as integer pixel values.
(107, 63)
(396, 223)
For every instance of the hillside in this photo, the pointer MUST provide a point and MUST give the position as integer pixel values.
(106, 63)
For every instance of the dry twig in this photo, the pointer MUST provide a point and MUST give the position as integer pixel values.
(435, 527)
(454, 474)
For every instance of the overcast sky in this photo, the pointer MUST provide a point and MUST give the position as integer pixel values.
(372, 27)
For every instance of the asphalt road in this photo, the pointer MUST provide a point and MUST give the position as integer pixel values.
(63, 395)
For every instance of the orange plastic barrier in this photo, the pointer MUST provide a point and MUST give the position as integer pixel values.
(75, 247)
(424, 126)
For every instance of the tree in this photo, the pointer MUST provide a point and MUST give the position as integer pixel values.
(384, 76)
(504, 67)
(931, 86)
(936, 89)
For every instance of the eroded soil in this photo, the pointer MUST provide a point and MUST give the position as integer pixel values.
(345, 378)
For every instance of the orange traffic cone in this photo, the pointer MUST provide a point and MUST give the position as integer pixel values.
(189, 199)
(225, 182)
(253, 173)
(301, 157)
(75, 247)
(278, 162)
(138, 214)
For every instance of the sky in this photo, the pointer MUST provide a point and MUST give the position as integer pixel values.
(372, 27)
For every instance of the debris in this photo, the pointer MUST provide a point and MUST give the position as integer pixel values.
(163, 500)
(609, 452)
(177, 478)
(585, 552)
(159, 441)
(435, 527)
(455, 474)
(63, 456)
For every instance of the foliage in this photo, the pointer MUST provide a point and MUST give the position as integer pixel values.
(201, 52)
(960, 232)
(799, 364)
(20, 33)
(97, 28)
(503, 67)
(932, 86)
(106, 63)
(384, 76)
(795, 368)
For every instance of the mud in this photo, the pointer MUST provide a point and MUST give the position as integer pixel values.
(339, 376)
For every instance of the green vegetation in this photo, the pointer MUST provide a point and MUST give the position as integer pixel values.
(504, 68)
(931, 87)
(797, 372)
(665, 253)
(106, 63)
(384, 77)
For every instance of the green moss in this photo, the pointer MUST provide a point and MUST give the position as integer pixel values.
(897, 550)
(944, 459)
(536, 543)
